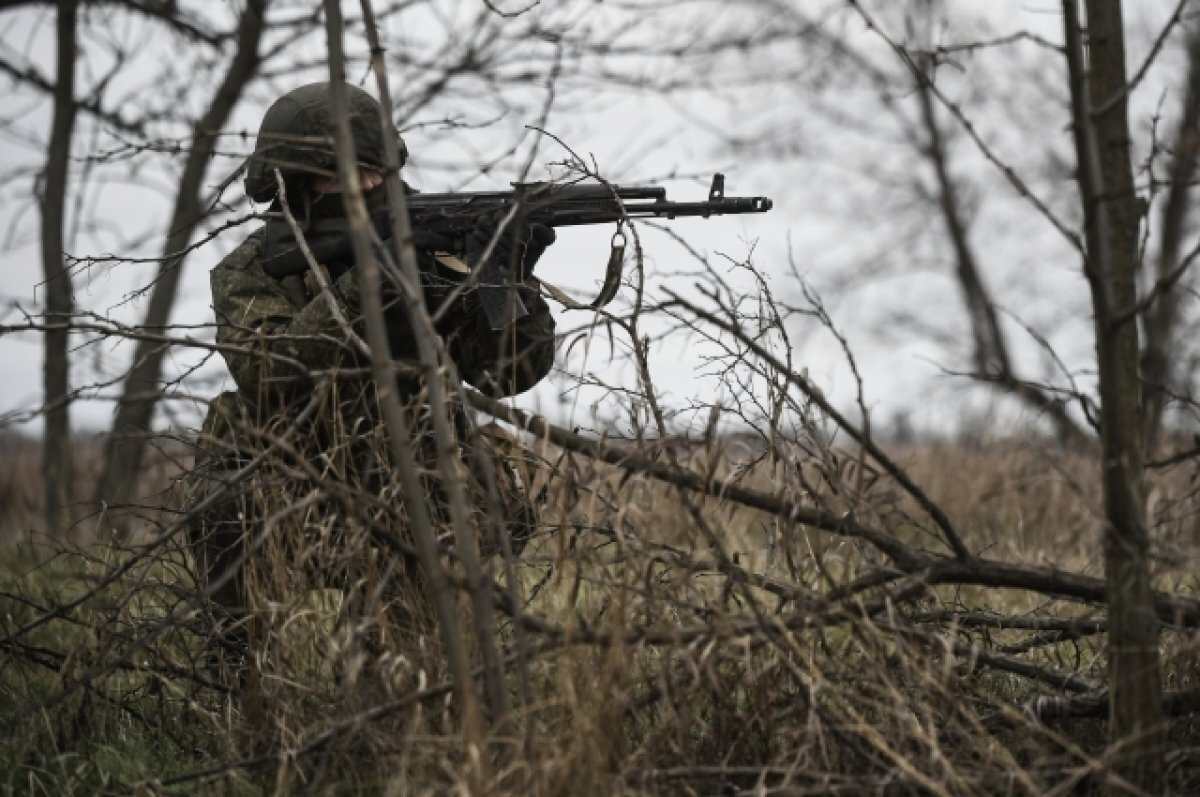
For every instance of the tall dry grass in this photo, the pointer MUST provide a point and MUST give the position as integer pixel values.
(668, 642)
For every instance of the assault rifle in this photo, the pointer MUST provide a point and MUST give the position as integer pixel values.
(572, 205)
(453, 215)
(555, 205)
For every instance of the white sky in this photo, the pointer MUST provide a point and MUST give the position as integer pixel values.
(838, 191)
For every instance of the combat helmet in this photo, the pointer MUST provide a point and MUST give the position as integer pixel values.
(296, 137)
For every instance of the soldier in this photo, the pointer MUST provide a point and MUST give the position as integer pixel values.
(282, 341)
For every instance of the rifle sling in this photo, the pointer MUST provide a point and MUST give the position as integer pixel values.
(612, 280)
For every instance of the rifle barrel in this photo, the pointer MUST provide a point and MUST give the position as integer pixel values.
(575, 205)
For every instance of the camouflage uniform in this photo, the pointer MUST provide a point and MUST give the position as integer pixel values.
(277, 333)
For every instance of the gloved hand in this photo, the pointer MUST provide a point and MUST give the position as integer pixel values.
(540, 239)
(427, 241)
(520, 244)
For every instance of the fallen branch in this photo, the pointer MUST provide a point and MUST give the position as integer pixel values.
(1172, 610)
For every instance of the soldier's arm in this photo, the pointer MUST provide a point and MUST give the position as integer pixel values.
(513, 359)
(503, 362)
(273, 342)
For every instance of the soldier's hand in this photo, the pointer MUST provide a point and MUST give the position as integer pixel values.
(432, 242)
(518, 243)
(540, 239)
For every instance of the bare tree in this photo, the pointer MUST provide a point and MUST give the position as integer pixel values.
(126, 443)
(60, 303)
(1163, 350)
(991, 352)
(1111, 221)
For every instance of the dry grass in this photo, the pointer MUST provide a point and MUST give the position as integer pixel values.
(21, 491)
(670, 643)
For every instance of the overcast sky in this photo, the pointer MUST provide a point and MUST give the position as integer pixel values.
(832, 164)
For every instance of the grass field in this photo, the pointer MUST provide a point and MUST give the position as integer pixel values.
(670, 643)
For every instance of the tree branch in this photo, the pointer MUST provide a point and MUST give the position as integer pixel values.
(165, 12)
(32, 77)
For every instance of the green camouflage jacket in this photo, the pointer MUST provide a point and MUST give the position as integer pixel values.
(275, 333)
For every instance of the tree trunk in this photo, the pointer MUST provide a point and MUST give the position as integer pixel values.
(126, 443)
(1162, 317)
(1111, 218)
(60, 303)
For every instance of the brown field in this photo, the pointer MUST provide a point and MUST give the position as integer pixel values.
(672, 644)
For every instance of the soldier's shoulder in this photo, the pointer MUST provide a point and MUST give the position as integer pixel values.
(243, 255)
